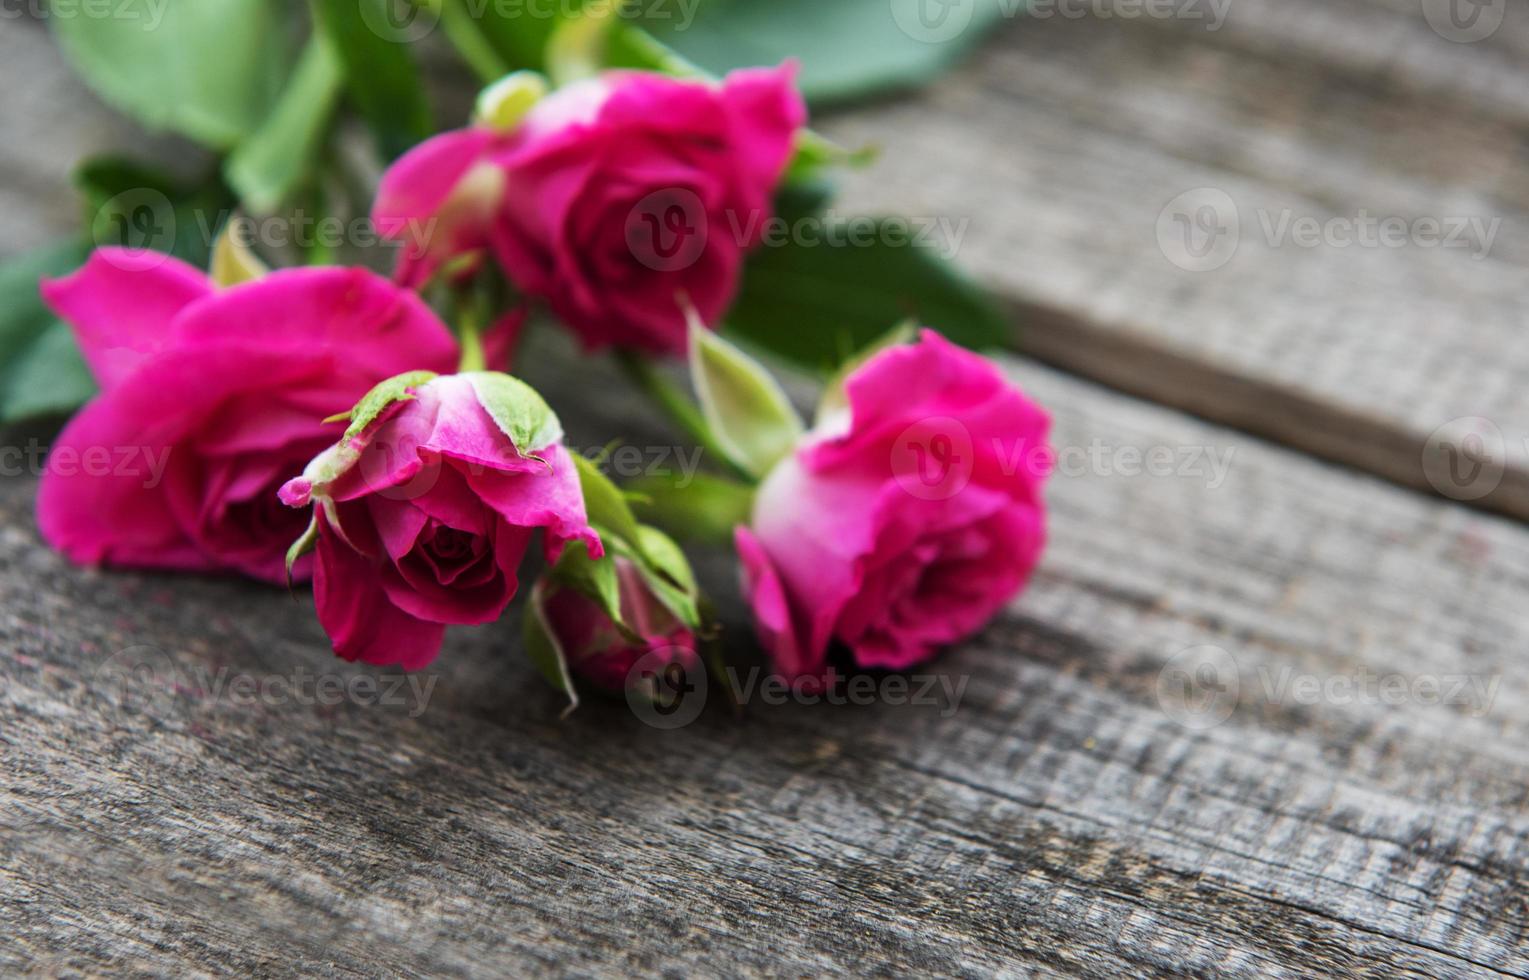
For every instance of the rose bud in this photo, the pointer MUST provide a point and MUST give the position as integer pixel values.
(210, 398)
(902, 523)
(604, 651)
(426, 506)
(607, 199)
(618, 622)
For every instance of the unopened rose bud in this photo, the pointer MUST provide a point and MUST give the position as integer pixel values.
(601, 652)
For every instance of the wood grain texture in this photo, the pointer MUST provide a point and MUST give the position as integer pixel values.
(1058, 818)
(1066, 142)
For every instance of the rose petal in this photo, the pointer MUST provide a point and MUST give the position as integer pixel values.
(363, 625)
(122, 305)
(550, 498)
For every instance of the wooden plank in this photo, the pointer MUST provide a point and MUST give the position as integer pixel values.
(1066, 147)
(1059, 817)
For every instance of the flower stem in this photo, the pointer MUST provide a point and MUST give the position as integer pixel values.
(681, 409)
(467, 37)
(471, 331)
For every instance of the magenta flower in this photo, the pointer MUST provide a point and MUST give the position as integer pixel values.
(426, 507)
(604, 654)
(210, 399)
(906, 521)
(610, 199)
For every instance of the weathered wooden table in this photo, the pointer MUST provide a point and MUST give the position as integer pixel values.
(1287, 562)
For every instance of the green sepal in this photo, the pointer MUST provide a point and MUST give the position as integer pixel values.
(666, 557)
(517, 409)
(665, 571)
(303, 545)
(604, 504)
(544, 650)
(744, 406)
(232, 260)
(706, 509)
(502, 105)
(376, 401)
(594, 578)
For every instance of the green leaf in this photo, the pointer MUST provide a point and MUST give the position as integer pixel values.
(849, 49)
(380, 74)
(41, 372)
(744, 406)
(136, 206)
(519, 411)
(209, 69)
(277, 158)
(544, 650)
(604, 505)
(377, 400)
(817, 304)
(705, 509)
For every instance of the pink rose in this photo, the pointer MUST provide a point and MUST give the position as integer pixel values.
(597, 651)
(905, 523)
(424, 513)
(610, 199)
(210, 399)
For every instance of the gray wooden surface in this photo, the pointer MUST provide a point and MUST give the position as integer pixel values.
(1067, 145)
(1069, 812)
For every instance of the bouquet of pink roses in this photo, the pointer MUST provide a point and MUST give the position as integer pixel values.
(327, 423)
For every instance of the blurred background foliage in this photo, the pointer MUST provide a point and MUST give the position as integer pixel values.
(268, 88)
